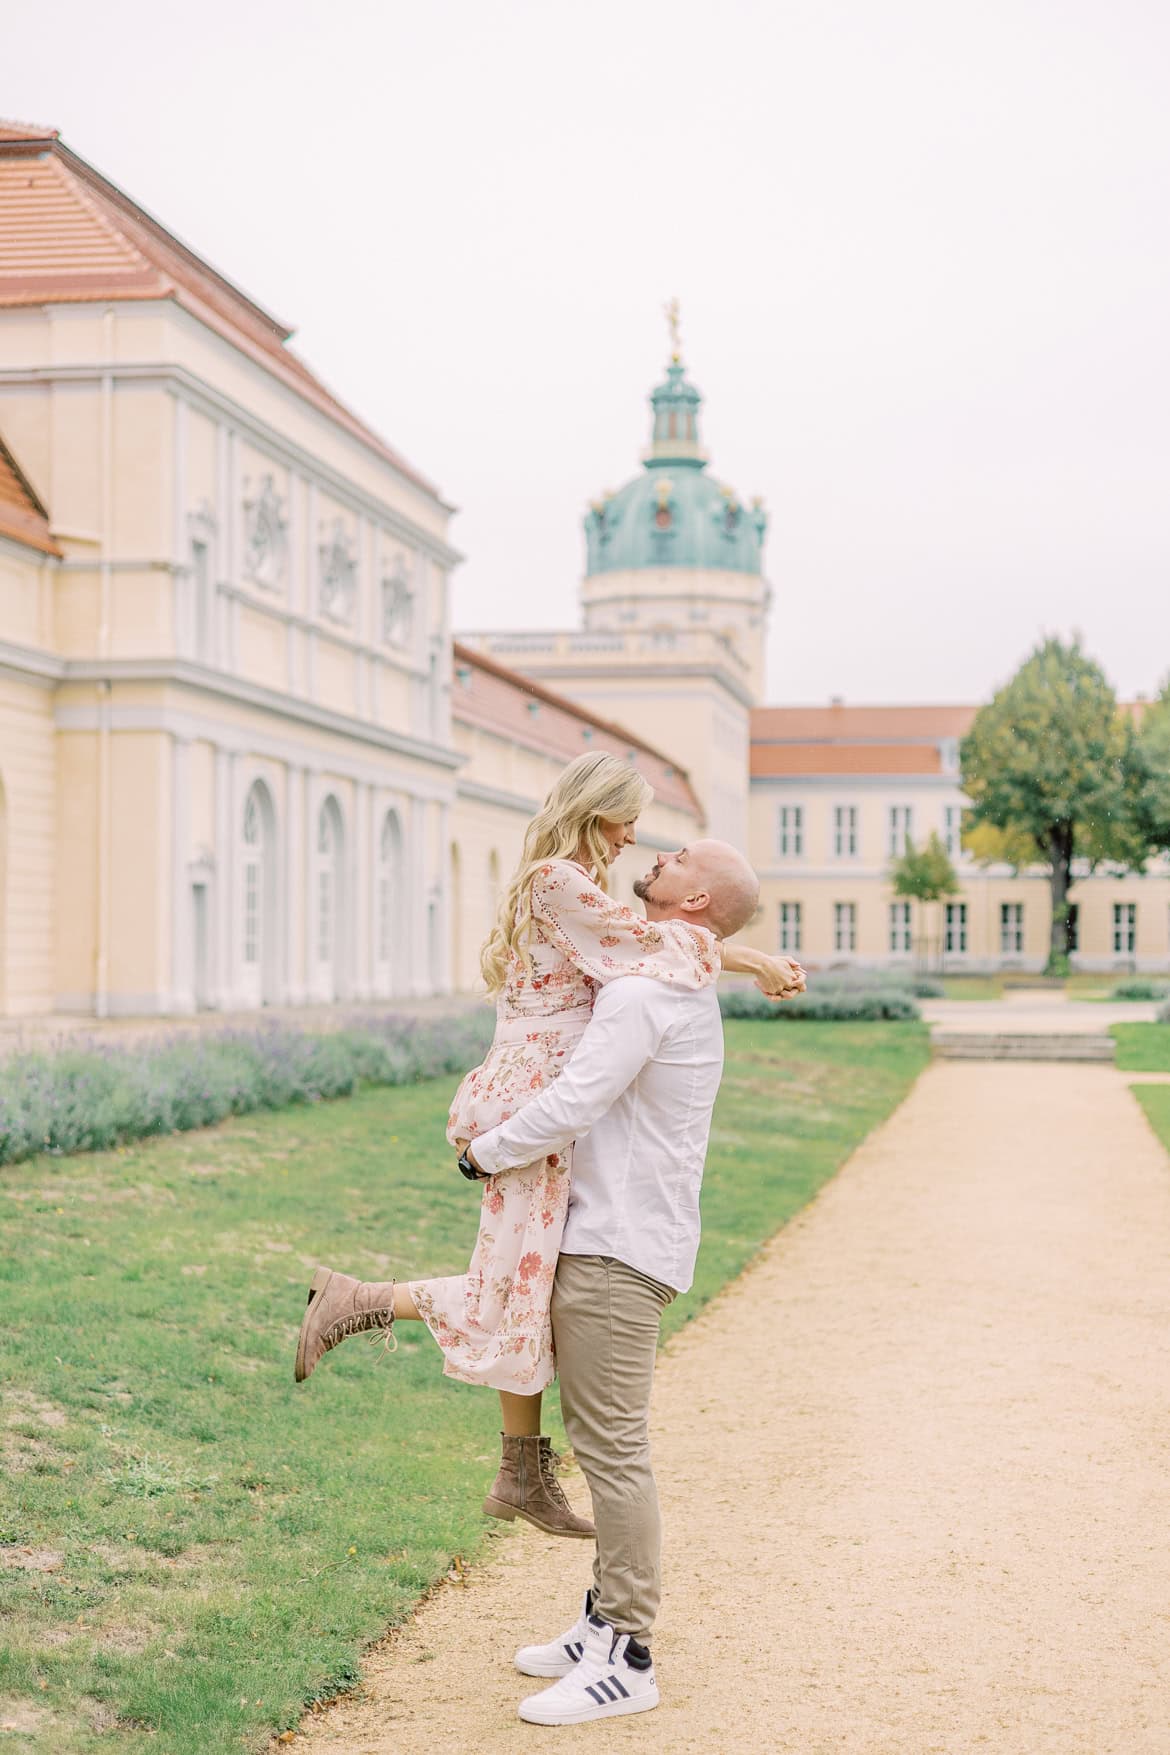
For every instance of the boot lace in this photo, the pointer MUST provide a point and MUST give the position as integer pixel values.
(382, 1322)
(549, 1460)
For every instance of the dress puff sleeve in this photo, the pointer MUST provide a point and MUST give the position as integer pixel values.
(604, 938)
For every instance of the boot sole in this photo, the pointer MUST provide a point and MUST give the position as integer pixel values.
(509, 1513)
(318, 1284)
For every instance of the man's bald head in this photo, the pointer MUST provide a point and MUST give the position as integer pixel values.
(708, 882)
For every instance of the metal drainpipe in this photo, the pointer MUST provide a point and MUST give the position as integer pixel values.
(105, 641)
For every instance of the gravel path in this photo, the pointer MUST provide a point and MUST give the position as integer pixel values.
(915, 1469)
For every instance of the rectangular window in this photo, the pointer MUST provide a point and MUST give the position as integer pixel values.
(845, 831)
(900, 937)
(1072, 930)
(844, 926)
(901, 828)
(790, 927)
(1124, 928)
(1011, 928)
(791, 837)
(955, 939)
(952, 829)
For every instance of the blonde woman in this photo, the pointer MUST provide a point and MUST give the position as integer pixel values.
(558, 937)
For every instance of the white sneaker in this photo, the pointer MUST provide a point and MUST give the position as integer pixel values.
(560, 1656)
(604, 1683)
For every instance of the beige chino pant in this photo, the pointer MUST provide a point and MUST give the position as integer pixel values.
(605, 1319)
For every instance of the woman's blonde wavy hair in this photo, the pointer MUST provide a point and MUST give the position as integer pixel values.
(594, 789)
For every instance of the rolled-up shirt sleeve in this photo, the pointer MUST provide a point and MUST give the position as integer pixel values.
(623, 1034)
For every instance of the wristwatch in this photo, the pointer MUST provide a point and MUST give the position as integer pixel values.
(472, 1171)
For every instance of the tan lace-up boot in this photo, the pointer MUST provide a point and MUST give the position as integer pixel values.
(527, 1487)
(340, 1306)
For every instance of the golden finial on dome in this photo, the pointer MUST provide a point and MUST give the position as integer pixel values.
(673, 319)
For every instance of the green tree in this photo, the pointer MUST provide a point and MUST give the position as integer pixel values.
(924, 874)
(1152, 741)
(1051, 758)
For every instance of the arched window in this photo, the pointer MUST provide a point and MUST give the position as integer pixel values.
(257, 940)
(253, 854)
(455, 900)
(329, 891)
(391, 955)
(3, 901)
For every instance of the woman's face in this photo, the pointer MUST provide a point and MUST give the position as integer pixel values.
(618, 835)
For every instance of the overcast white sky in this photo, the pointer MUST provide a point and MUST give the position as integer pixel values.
(921, 246)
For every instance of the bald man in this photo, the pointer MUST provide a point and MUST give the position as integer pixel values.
(637, 1099)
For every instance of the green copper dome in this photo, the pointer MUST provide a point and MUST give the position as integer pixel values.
(675, 514)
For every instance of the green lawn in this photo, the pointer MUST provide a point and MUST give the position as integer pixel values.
(1142, 1047)
(972, 986)
(1155, 1100)
(192, 1547)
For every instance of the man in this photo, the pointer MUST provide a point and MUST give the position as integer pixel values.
(637, 1099)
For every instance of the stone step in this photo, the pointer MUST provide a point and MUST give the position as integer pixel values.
(1020, 1045)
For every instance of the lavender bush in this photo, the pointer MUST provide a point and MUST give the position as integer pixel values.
(101, 1095)
(827, 1002)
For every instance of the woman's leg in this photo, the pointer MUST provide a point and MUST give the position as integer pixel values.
(520, 1414)
(405, 1308)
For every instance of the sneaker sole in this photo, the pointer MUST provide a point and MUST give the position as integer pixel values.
(583, 1714)
(318, 1283)
(509, 1513)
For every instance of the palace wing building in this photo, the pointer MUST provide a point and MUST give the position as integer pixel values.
(231, 771)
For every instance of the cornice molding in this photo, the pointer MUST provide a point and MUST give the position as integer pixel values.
(187, 674)
(28, 664)
(180, 381)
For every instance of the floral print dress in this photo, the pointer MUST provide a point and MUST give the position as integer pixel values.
(492, 1323)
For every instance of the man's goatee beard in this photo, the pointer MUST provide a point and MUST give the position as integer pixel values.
(642, 886)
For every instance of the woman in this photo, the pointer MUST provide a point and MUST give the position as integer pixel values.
(558, 937)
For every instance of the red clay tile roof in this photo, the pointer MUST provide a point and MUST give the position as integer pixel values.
(770, 760)
(840, 724)
(489, 695)
(68, 236)
(22, 517)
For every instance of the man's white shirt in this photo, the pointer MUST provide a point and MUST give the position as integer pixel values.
(636, 1097)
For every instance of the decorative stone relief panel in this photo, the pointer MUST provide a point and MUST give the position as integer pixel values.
(338, 557)
(397, 602)
(265, 535)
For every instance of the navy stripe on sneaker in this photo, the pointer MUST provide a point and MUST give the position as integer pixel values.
(614, 1683)
(596, 1695)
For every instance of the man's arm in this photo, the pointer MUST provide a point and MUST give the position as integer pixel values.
(622, 1035)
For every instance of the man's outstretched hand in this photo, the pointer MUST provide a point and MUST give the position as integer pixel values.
(777, 977)
(780, 977)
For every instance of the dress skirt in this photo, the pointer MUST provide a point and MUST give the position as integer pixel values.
(493, 1322)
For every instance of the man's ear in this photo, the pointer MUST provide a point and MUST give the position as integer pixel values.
(696, 902)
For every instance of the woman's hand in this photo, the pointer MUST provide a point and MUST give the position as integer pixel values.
(777, 977)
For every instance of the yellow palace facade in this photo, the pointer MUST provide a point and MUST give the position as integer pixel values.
(237, 766)
(245, 762)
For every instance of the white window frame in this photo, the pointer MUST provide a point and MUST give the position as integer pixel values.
(845, 831)
(791, 927)
(790, 831)
(901, 829)
(1011, 929)
(953, 830)
(844, 927)
(955, 928)
(1124, 929)
(901, 929)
